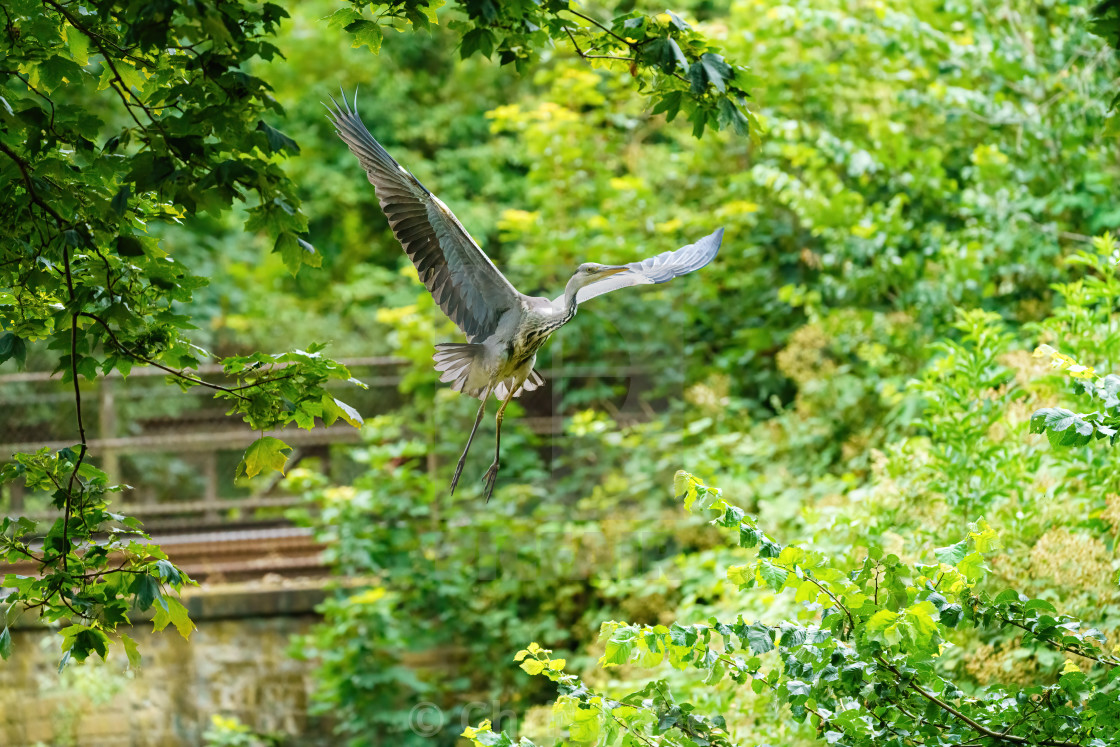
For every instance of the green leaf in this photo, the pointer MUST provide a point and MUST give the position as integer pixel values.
(682, 483)
(146, 590)
(79, 45)
(5, 643)
(13, 347)
(972, 566)
(880, 621)
(176, 614)
(477, 40)
(266, 453)
(532, 666)
(709, 69)
(131, 650)
(342, 17)
(366, 33)
(730, 117)
(760, 638)
(1062, 427)
(277, 141)
(348, 413)
(952, 554)
(296, 252)
(921, 619)
(740, 575)
(774, 576)
(119, 203)
(669, 104)
(619, 647)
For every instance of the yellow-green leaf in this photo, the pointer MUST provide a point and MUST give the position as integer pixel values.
(532, 666)
(131, 650)
(79, 45)
(266, 453)
(175, 614)
(740, 575)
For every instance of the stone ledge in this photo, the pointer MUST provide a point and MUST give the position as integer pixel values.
(233, 602)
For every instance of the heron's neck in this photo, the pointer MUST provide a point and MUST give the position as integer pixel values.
(568, 303)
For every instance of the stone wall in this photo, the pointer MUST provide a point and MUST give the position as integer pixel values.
(234, 665)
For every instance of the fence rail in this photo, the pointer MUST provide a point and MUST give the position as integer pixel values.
(199, 434)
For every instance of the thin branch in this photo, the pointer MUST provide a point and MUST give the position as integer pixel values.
(593, 22)
(24, 168)
(586, 56)
(835, 599)
(1104, 662)
(108, 272)
(975, 725)
(180, 374)
(95, 36)
(632, 47)
(41, 95)
(121, 87)
(69, 509)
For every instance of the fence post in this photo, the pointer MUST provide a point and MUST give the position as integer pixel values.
(110, 459)
(210, 475)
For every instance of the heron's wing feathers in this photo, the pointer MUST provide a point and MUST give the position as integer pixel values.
(657, 269)
(461, 278)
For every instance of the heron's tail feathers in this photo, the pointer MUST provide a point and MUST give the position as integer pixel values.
(462, 364)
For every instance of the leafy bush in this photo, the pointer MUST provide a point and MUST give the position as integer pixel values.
(859, 663)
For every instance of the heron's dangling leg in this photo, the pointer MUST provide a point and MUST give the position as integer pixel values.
(463, 459)
(491, 475)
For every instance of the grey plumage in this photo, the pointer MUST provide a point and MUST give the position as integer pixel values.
(504, 328)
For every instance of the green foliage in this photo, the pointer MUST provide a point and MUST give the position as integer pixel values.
(675, 66)
(860, 663)
(447, 585)
(94, 563)
(230, 732)
(917, 160)
(128, 129)
(118, 119)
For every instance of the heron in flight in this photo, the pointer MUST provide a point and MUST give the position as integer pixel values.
(504, 327)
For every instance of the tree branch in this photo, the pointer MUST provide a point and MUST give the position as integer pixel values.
(1104, 662)
(180, 374)
(96, 37)
(24, 168)
(78, 406)
(975, 725)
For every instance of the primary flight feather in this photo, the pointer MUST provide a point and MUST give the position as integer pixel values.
(504, 328)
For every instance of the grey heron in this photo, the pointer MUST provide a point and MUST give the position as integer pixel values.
(504, 328)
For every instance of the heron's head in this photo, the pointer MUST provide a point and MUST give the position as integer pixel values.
(589, 272)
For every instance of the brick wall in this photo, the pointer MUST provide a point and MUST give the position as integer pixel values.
(234, 665)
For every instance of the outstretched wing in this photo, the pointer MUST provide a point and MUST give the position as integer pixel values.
(454, 269)
(657, 269)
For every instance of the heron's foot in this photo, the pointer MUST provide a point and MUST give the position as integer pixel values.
(458, 471)
(489, 479)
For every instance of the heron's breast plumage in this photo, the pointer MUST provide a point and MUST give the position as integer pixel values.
(533, 332)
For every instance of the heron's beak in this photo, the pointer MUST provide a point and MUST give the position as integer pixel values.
(606, 272)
